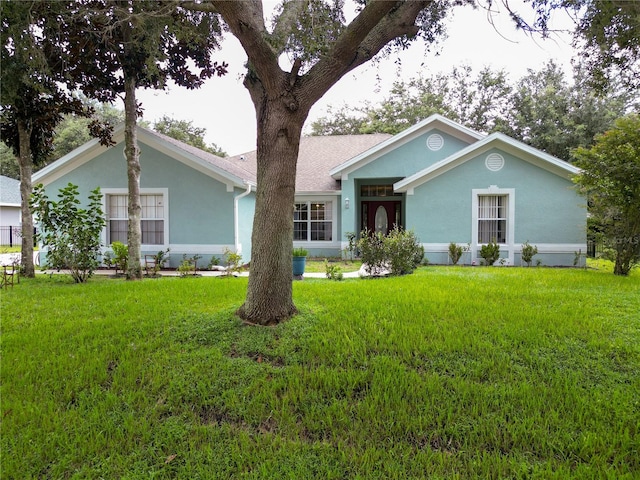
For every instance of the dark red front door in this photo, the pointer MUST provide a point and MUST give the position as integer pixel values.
(381, 216)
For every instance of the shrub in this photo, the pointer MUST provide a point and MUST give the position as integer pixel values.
(233, 261)
(372, 252)
(189, 265)
(528, 251)
(214, 261)
(490, 252)
(186, 268)
(350, 250)
(299, 252)
(70, 234)
(333, 272)
(120, 256)
(456, 251)
(159, 260)
(403, 250)
(399, 251)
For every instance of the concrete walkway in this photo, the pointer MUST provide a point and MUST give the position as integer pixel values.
(210, 273)
(13, 258)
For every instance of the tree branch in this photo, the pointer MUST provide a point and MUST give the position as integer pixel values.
(297, 64)
(379, 23)
(246, 21)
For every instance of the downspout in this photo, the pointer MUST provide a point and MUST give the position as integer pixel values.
(236, 233)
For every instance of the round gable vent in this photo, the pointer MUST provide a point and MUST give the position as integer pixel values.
(435, 142)
(494, 162)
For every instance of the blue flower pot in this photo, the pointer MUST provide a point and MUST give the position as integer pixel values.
(299, 263)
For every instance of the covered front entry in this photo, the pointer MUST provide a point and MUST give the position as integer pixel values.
(381, 216)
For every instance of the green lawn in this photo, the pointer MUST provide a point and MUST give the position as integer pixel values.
(452, 372)
(317, 265)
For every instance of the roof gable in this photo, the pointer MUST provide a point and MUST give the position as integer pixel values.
(495, 140)
(216, 167)
(433, 122)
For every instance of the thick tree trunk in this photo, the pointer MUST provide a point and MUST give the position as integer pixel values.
(134, 234)
(26, 169)
(282, 101)
(269, 297)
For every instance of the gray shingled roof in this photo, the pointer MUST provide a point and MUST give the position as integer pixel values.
(233, 167)
(318, 155)
(9, 190)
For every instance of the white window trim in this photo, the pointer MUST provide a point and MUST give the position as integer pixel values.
(143, 191)
(334, 222)
(509, 245)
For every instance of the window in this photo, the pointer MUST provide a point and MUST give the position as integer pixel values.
(313, 221)
(117, 218)
(152, 218)
(378, 191)
(492, 218)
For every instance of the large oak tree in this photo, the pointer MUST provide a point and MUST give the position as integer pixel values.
(321, 47)
(318, 47)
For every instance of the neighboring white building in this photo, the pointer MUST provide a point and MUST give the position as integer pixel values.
(10, 212)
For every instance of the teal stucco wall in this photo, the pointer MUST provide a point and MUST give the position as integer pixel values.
(547, 209)
(200, 209)
(410, 157)
(403, 161)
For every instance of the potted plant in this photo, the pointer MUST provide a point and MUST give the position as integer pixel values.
(299, 261)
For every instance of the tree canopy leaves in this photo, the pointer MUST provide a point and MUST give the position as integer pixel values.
(542, 108)
(187, 132)
(606, 36)
(610, 178)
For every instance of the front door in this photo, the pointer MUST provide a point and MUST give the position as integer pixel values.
(381, 216)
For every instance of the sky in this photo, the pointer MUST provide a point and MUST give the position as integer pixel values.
(223, 106)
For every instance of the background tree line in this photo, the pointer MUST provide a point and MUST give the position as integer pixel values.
(543, 108)
(73, 131)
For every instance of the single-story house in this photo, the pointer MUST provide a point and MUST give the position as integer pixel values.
(445, 181)
(10, 211)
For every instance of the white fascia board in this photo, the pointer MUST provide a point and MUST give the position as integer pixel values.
(93, 148)
(537, 157)
(430, 123)
(495, 140)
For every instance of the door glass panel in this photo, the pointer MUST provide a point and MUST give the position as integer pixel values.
(381, 220)
(365, 216)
